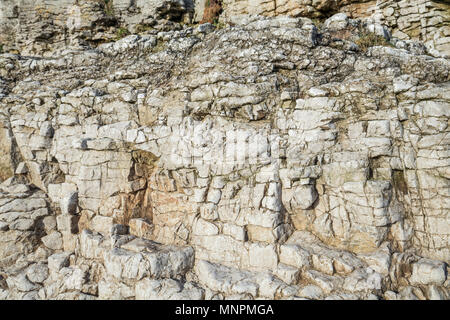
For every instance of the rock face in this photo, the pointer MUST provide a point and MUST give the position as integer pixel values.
(34, 27)
(266, 159)
(423, 20)
(6, 165)
(304, 8)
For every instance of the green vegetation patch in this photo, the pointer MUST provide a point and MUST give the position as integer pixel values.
(107, 6)
(122, 33)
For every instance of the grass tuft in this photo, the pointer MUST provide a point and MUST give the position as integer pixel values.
(122, 33)
(368, 39)
(213, 9)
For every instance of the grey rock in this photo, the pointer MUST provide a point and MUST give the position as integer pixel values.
(53, 241)
(37, 273)
(58, 261)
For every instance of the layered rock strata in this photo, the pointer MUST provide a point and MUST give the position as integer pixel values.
(37, 27)
(268, 159)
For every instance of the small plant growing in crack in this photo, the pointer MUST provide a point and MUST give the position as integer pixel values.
(122, 33)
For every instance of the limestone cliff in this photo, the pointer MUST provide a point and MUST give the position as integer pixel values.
(265, 156)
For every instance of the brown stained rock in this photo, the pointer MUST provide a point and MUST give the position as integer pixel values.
(212, 10)
(6, 164)
(141, 228)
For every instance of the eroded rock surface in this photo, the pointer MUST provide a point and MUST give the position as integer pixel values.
(267, 159)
